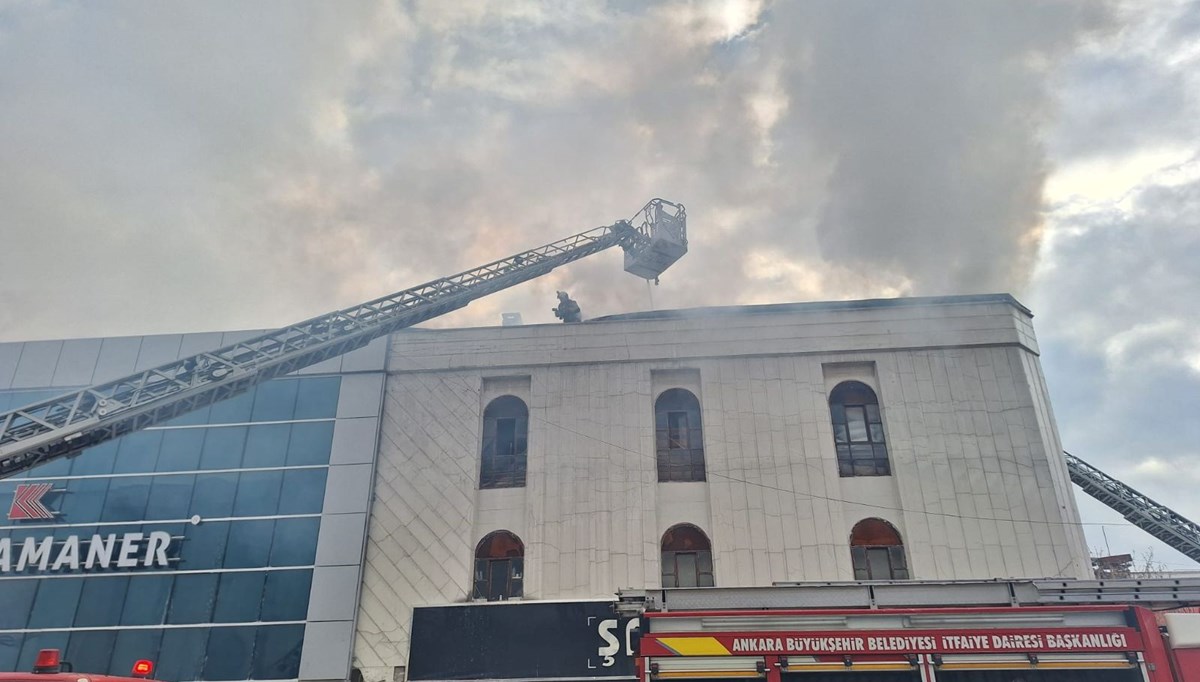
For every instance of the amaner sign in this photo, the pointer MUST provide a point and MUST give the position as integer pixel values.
(74, 552)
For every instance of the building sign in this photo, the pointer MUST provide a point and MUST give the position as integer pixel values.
(73, 553)
(843, 642)
(27, 502)
(521, 640)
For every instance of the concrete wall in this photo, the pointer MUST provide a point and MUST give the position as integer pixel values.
(979, 488)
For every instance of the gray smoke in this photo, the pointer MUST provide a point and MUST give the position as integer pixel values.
(179, 168)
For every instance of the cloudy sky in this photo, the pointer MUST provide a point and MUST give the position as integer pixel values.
(170, 167)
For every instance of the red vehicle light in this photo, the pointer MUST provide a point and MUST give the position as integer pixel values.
(143, 668)
(48, 661)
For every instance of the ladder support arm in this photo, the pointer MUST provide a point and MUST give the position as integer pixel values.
(1179, 533)
(65, 425)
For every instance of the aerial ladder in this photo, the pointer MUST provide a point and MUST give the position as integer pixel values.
(64, 426)
(652, 240)
(1179, 533)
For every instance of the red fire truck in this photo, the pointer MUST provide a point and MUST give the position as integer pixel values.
(49, 667)
(1113, 642)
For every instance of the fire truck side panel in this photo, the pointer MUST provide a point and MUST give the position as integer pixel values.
(1183, 636)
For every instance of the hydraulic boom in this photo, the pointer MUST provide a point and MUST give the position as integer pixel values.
(652, 240)
(1182, 535)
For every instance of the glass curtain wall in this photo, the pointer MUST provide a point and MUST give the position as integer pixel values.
(239, 488)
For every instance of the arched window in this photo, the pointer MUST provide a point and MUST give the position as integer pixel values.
(858, 431)
(499, 567)
(505, 438)
(877, 551)
(686, 558)
(679, 436)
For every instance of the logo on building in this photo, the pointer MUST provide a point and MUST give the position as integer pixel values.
(27, 502)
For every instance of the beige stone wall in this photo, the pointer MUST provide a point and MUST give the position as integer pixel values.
(978, 490)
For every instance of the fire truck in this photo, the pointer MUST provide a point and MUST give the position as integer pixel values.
(49, 667)
(918, 631)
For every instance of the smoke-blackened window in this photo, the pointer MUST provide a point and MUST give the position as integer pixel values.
(499, 567)
(877, 551)
(679, 437)
(505, 440)
(686, 557)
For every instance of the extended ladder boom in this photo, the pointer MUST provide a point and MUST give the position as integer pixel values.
(1179, 533)
(65, 425)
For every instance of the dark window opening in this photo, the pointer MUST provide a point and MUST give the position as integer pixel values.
(877, 551)
(686, 558)
(499, 567)
(679, 439)
(858, 431)
(505, 441)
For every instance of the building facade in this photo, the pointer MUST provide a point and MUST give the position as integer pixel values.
(290, 533)
(895, 439)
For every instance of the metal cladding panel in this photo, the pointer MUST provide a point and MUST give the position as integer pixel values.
(974, 594)
(530, 640)
(814, 596)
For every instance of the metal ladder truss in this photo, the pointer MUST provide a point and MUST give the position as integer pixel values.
(67, 424)
(1179, 533)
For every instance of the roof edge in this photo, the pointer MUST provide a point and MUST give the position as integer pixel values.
(768, 308)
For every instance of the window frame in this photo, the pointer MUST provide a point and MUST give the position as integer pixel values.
(499, 469)
(885, 546)
(679, 460)
(488, 559)
(858, 456)
(698, 546)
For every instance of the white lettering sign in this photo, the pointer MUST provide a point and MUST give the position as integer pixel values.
(129, 551)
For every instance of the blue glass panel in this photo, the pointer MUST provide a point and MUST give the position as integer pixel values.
(235, 410)
(56, 603)
(84, 501)
(101, 601)
(266, 446)
(16, 598)
(10, 651)
(197, 416)
(133, 646)
(235, 647)
(96, 460)
(239, 597)
(138, 452)
(223, 447)
(181, 656)
(275, 401)
(35, 642)
(258, 493)
(181, 450)
(192, 598)
(58, 467)
(310, 443)
(295, 542)
(317, 398)
(212, 495)
(249, 544)
(303, 491)
(204, 546)
(277, 652)
(126, 499)
(286, 595)
(90, 651)
(146, 600)
(170, 497)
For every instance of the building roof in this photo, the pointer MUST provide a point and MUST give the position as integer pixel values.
(712, 311)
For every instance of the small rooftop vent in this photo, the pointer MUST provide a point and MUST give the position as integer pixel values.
(511, 319)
